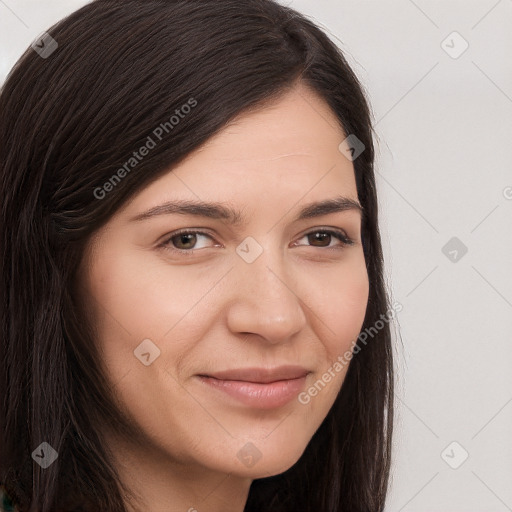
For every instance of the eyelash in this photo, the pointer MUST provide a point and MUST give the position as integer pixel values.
(340, 235)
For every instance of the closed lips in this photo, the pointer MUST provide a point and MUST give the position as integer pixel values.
(260, 375)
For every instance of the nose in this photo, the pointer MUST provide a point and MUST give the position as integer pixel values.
(265, 301)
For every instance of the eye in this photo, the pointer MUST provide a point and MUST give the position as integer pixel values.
(184, 241)
(320, 237)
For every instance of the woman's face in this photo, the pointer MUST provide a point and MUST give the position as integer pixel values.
(214, 341)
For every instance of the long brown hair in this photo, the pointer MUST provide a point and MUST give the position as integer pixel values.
(68, 121)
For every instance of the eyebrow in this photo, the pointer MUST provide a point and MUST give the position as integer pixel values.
(235, 217)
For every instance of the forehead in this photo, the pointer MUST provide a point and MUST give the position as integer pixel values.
(299, 123)
(284, 153)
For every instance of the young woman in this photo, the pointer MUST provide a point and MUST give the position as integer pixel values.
(190, 267)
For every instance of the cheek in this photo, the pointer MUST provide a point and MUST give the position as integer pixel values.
(342, 308)
(136, 298)
(339, 315)
(142, 295)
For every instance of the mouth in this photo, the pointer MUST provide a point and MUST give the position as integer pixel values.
(260, 388)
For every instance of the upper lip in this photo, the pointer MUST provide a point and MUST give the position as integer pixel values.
(261, 375)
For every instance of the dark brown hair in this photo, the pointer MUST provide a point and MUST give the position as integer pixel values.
(67, 124)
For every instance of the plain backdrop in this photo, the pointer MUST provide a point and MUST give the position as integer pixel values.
(438, 75)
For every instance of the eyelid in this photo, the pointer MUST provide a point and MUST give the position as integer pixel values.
(193, 231)
(339, 233)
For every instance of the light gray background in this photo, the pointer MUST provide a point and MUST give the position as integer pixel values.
(444, 170)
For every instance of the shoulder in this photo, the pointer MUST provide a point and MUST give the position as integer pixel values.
(6, 504)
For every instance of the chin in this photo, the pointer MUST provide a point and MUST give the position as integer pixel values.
(271, 468)
(260, 459)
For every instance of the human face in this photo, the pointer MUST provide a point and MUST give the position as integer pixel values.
(269, 292)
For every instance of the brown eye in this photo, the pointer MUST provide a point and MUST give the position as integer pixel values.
(185, 242)
(322, 238)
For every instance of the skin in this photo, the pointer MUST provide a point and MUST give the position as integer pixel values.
(210, 310)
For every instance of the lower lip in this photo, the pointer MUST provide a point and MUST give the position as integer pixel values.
(262, 396)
